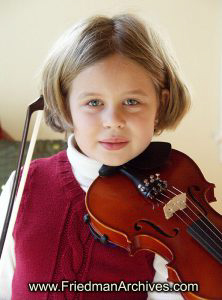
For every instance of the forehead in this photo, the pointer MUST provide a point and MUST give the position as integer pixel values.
(115, 73)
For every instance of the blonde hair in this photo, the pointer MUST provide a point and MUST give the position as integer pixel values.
(96, 38)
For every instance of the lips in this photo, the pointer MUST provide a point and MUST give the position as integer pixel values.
(114, 143)
(115, 140)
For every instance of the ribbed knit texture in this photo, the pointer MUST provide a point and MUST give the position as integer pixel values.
(52, 243)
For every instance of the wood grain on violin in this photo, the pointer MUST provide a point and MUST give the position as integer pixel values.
(167, 213)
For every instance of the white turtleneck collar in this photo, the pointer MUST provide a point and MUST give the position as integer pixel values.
(84, 168)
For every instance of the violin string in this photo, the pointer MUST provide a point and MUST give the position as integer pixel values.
(197, 225)
(175, 212)
(201, 220)
(206, 242)
(178, 207)
(163, 203)
(192, 219)
(201, 214)
(186, 205)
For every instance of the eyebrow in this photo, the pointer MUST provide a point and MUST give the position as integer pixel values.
(134, 92)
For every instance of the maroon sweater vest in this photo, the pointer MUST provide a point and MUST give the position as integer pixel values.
(53, 244)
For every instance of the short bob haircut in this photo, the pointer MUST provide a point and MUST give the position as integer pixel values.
(96, 38)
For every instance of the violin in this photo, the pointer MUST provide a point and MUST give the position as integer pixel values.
(159, 202)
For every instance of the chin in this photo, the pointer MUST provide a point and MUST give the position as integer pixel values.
(114, 162)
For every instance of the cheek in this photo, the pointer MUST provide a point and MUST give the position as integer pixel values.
(83, 122)
(143, 123)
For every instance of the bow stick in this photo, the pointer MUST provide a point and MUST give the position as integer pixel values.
(13, 205)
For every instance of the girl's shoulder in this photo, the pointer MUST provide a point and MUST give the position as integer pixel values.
(49, 164)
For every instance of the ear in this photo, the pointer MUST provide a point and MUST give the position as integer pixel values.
(164, 97)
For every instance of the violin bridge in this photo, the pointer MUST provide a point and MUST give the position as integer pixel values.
(176, 203)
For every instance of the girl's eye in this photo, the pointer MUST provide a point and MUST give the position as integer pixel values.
(94, 102)
(131, 102)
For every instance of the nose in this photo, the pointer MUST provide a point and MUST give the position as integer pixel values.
(113, 118)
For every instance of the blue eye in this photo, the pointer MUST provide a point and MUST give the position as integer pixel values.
(131, 101)
(94, 102)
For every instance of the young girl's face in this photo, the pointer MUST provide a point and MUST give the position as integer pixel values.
(113, 105)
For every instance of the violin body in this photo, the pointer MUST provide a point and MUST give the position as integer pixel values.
(189, 238)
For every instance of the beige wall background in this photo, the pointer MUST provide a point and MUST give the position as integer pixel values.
(28, 29)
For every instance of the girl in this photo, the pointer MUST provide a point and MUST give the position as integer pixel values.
(112, 84)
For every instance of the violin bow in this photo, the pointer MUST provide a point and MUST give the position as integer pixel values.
(13, 205)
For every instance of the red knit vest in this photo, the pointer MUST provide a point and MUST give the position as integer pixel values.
(54, 245)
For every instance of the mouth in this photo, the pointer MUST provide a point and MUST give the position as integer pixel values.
(114, 143)
(113, 146)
